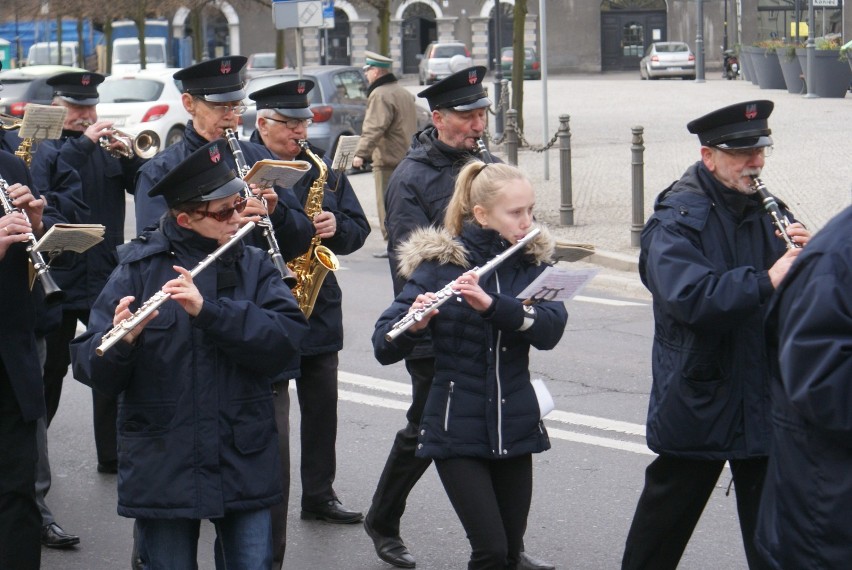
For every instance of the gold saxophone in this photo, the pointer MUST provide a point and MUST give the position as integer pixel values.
(312, 266)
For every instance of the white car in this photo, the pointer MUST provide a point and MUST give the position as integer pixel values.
(147, 100)
(442, 59)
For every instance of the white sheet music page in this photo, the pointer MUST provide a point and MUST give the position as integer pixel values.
(42, 122)
(557, 284)
(346, 146)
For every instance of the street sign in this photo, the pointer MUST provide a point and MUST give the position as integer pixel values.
(297, 14)
(328, 14)
(825, 3)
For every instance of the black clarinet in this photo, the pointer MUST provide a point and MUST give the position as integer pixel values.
(265, 222)
(482, 151)
(52, 292)
(779, 220)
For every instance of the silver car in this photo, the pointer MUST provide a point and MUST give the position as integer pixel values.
(442, 59)
(667, 59)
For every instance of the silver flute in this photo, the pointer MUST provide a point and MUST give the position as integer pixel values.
(448, 291)
(771, 206)
(120, 330)
(52, 292)
(265, 223)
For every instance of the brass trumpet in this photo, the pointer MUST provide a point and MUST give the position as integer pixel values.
(10, 122)
(144, 145)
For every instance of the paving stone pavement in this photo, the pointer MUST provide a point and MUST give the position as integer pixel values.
(810, 167)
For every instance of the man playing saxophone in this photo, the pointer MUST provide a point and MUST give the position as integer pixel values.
(283, 117)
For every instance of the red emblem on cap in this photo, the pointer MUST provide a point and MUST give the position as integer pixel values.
(751, 111)
(225, 67)
(215, 157)
(471, 77)
(86, 79)
(300, 87)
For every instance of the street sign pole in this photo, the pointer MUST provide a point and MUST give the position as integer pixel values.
(297, 14)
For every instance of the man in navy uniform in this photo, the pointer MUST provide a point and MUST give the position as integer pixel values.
(417, 197)
(711, 259)
(283, 117)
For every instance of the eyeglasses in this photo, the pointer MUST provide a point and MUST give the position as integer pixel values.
(237, 110)
(225, 214)
(292, 123)
(763, 151)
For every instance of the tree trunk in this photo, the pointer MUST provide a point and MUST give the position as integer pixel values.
(384, 29)
(81, 53)
(58, 41)
(280, 50)
(520, 16)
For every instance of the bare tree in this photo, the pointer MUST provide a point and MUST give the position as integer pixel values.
(383, 9)
(520, 16)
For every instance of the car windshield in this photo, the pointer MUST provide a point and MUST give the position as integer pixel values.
(39, 55)
(671, 48)
(129, 53)
(263, 60)
(129, 90)
(448, 51)
(15, 88)
(259, 83)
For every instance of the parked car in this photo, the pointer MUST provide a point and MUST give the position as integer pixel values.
(338, 101)
(532, 66)
(28, 85)
(148, 100)
(667, 59)
(259, 63)
(435, 62)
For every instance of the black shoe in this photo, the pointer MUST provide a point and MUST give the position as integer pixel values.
(108, 467)
(381, 254)
(391, 549)
(527, 562)
(53, 536)
(332, 512)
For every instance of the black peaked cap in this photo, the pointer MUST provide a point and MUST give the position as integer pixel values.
(203, 176)
(289, 98)
(461, 91)
(743, 125)
(77, 87)
(216, 80)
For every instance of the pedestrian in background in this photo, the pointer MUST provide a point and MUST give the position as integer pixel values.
(807, 496)
(389, 124)
(482, 450)
(711, 258)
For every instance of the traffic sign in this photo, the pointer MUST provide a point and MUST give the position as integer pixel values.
(297, 14)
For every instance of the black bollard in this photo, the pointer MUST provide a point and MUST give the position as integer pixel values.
(638, 166)
(566, 208)
(511, 137)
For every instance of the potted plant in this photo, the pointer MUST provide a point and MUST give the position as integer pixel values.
(792, 70)
(746, 55)
(831, 73)
(767, 66)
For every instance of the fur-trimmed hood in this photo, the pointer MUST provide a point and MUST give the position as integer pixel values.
(437, 244)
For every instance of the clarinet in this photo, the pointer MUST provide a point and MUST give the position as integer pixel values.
(482, 151)
(265, 223)
(779, 220)
(52, 292)
(448, 291)
(120, 330)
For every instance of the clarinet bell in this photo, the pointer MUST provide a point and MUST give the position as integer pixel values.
(52, 293)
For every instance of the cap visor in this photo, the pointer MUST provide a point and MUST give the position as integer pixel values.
(478, 104)
(233, 186)
(84, 102)
(298, 113)
(238, 95)
(750, 142)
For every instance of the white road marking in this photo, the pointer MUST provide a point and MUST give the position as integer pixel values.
(612, 302)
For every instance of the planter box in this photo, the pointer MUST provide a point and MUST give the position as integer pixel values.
(768, 69)
(746, 53)
(831, 75)
(849, 57)
(792, 70)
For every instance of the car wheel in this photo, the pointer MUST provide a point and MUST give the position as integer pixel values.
(174, 136)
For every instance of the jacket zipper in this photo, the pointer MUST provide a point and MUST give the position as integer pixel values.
(497, 374)
(449, 401)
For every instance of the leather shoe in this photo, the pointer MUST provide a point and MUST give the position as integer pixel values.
(527, 562)
(381, 255)
(53, 536)
(391, 549)
(332, 512)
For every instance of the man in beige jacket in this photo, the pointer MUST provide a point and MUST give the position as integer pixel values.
(389, 124)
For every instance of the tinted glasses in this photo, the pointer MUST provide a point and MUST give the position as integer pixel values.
(225, 214)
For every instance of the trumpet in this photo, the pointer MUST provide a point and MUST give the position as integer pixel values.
(144, 145)
(10, 122)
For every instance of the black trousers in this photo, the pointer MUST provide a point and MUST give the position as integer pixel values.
(676, 491)
(20, 521)
(492, 499)
(402, 469)
(104, 408)
(279, 511)
(317, 392)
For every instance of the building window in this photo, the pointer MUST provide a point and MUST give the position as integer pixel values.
(632, 5)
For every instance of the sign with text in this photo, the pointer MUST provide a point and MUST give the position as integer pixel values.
(288, 14)
(825, 3)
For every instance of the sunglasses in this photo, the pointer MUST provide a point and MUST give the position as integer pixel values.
(225, 214)
(292, 123)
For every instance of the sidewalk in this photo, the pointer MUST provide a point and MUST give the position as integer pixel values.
(810, 167)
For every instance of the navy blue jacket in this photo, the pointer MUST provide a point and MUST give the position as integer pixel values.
(18, 307)
(326, 334)
(804, 519)
(481, 402)
(292, 227)
(103, 181)
(705, 255)
(196, 427)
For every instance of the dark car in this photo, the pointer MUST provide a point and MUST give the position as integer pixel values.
(28, 85)
(532, 67)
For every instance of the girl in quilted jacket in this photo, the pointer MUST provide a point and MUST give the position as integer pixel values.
(481, 423)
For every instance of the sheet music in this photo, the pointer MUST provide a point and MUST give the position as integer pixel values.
(346, 146)
(557, 284)
(70, 237)
(283, 173)
(42, 122)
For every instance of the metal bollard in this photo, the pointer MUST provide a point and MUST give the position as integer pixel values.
(511, 137)
(566, 208)
(638, 167)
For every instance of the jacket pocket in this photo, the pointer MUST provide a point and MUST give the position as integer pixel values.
(449, 404)
(253, 437)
